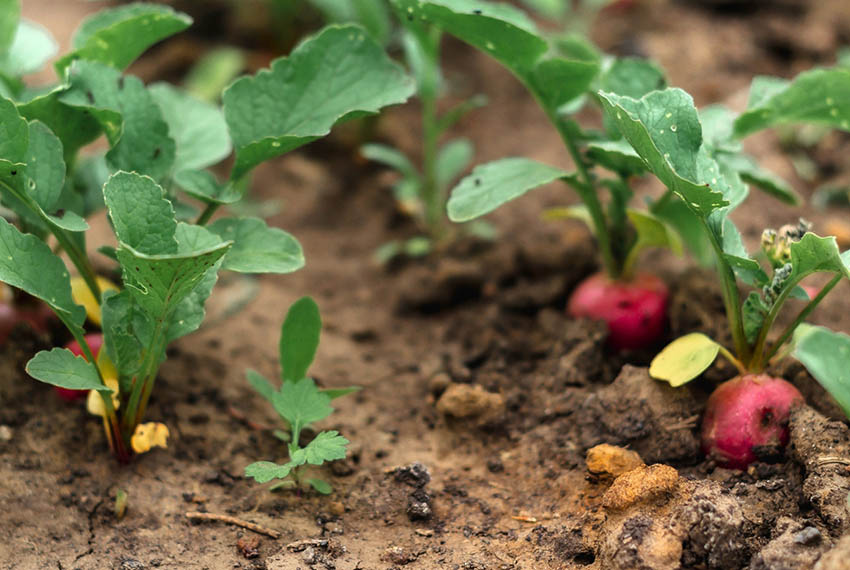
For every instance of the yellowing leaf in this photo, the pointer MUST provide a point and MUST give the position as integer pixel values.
(6, 295)
(146, 436)
(684, 359)
(82, 295)
(94, 404)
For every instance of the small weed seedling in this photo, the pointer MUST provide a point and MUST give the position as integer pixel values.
(747, 415)
(562, 77)
(299, 402)
(161, 141)
(422, 192)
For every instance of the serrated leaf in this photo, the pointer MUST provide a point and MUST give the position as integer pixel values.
(301, 403)
(117, 36)
(814, 254)
(826, 355)
(259, 383)
(265, 471)
(491, 185)
(452, 159)
(617, 156)
(10, 14)
(141, 215)
(817, 96)
(27, 263)
(321, 486)
(60, 367)
(258, 248)
(127, 113)
(203, 185)
(31, 48)
(663, 127)
(197, 127)
(684, 359)
(337, 74)
(326, 446)
(299, 339)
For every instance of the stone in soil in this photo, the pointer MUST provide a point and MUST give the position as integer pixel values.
(611, 461)
(643, 484)
(471, 402)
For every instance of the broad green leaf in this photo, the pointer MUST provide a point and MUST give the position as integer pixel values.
(549, 9)
(371, 14)
(826, 355)
(60, 367)
(326, 446)
(560, 81)
(491, 185)
(125, 328)
(452, 159)
(117, 36)
(265, 471)
(127, 113)
(632, 77)
(651, 232)
(45, 169)
(141, 215)
(664, 129)
(679, 215)
(301, 403)
(337, 74)
(15, 139)
(26, 262)
(617, 156)
(260, 384)
(10, 15)
(190, 312)
(198, 128)
(764, 180)
(258, 248)
(203, 185)
(818, 96)
(747, 269)
(321, 486)
(32, 47)
(391, 157)
(75, 127)
(684, 359)
(813, 254)
(299, 339)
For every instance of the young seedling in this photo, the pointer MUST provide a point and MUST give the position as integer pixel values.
(746, 417)
(300, 403)
(161, 141)
(422, 191)
(563, 76)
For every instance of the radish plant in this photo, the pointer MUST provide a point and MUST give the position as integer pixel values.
(563, 76)
(422, 191)
(748, 415)
(160, 141)
(300, 403)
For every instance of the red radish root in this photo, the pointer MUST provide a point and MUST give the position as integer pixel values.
(95, 341)
(635, 310)
(747, 417)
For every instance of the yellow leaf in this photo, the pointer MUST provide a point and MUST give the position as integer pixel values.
(684, 359)
(94, 404)
(82, 295)
(146, 436)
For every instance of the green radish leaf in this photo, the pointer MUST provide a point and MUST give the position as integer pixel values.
(326, 446)
(299, 339)
(265, 471)
(280, 109)
(578, 212)
(561, 81)
(826, 355)
(259, 383)
(10, 15)
(127, 329)
(549, 9)
(198, 128)
(373, 15)
(747, 269)
(127, 113)
(452, 159)
(684, 359)
(258, 248)
(45, 169)
(679, 215)
(754, 312)
(817, 96)
(301, 404)
(60, 367)
(142, 216)
(74, 126)
(391, 157)
(32, 47)
(664, 128)
(26, 262)
(491, 185)
(203, 185)
(15, 140)
(814, 254)
(321, 486)
(632, 77)
(214, 71)
(652, 232)
(117, 36)
(617, 156)
(334, 393)
(190, 312)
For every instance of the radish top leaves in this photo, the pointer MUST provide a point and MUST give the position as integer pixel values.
(299, 339)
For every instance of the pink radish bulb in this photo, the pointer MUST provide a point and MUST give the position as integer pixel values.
(635, 310)
(746, 415)
(37, 318)
(95, 341)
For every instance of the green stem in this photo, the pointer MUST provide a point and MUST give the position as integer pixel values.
(789, 330)
(758, 358)
(143, 385)
(208, 212)
(731, 358)
(428, 94)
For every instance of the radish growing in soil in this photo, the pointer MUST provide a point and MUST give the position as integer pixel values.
(746, 417)
(563, 75)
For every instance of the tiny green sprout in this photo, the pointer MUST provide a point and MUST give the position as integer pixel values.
(300, 403)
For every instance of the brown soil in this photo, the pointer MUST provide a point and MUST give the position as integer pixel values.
(480, 397)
